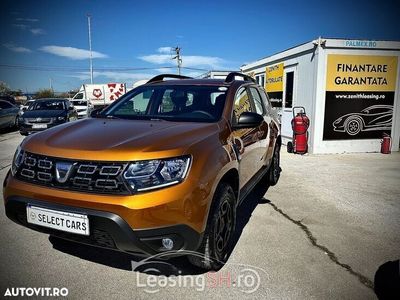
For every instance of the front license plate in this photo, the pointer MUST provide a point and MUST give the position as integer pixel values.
(37, 126)
(60, 220)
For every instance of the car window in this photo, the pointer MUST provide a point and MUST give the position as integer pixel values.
(266, 101)
(48, 105)
(242, 104)
(174, 102)
(80, 103)
(257, 101)
(5, 105)
(79, 96)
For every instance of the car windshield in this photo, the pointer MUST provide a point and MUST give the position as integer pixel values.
(79, 103)
(175, 103)
(47, 105)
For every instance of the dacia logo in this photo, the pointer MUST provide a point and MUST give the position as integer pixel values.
(38, 119)
(63, 169)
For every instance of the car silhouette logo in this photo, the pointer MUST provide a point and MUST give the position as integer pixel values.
(372, 118)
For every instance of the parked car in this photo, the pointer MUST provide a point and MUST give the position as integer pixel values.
(8, 98)
(83, 107)
(8, 115)
(163, 168)
(46, 113)
(25, 106)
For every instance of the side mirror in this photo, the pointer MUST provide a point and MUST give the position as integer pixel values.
(248, 120)
(95, 112)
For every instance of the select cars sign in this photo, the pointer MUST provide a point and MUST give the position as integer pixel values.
(359, 96)
(274, 84)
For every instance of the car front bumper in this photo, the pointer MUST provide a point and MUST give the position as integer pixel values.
(113, 224)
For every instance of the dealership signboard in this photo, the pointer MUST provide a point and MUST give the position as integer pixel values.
(274, 84)
(359, 96)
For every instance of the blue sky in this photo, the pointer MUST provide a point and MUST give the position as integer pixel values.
(49, 39)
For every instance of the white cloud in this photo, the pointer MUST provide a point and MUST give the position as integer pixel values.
(187, 61)
(27, 19)
(37, 31)
(13, 47)
(71, 53)
(114, 76)
(164, 50)
(21, 26)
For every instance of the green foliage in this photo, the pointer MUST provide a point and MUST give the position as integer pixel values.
(45, 93)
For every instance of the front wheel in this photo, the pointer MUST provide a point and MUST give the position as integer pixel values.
(218, 237)
(275, 168)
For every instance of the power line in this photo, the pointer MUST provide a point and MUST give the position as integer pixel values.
(81, 69)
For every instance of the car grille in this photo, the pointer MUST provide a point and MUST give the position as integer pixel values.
(84, 176)
(38, 120)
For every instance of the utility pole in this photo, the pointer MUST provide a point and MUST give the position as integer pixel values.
(90, 50)
(51, 84)
(178, 58)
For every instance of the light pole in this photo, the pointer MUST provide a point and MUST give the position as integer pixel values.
(178, 58)
(90, 50)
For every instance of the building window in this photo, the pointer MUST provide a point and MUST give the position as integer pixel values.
(262, 80)
(289, 89)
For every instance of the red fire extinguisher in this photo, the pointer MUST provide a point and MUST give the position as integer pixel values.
(386, 144)
(300, 124)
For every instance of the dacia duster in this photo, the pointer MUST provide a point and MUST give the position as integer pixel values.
(163, 168)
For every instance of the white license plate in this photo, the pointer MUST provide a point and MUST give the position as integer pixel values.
(37, 126)
(64, 221)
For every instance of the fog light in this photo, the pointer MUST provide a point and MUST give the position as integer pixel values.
(167, 243)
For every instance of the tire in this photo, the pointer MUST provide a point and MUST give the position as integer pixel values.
(275, 168)
(217, 242)
(353, 126)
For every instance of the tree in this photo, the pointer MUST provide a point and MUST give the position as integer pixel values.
(45, 93)
(4, 88)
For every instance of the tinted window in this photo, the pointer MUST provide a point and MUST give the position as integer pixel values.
(48, 105)
(80, 103)
(5, 105)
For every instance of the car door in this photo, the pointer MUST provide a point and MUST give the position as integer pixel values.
(246, 140)
(6, 116)
(265, 130)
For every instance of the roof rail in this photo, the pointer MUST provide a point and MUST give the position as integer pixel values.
(162, 76)
(231, 77)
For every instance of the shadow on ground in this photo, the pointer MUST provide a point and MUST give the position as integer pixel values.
(172, 266)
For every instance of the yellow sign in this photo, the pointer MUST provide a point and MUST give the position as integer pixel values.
(274, 78)
(361, 73)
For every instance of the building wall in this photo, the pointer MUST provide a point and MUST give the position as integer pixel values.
(352, 145)
(309, 62)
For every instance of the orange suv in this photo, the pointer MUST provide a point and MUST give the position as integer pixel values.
(163, 168)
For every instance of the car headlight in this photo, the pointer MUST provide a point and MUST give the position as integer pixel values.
(17, 160)
(337, 121)
(152, 174)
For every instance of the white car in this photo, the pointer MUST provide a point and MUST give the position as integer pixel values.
(83, 107)
(25, 106)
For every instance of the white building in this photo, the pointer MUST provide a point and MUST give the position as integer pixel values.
(349, 88)
(216, 74)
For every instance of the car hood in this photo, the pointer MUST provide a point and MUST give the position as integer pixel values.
(43, 113)
(118, 140)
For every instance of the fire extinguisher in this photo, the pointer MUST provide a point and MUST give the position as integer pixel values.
(300, 124)
(386, 144)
